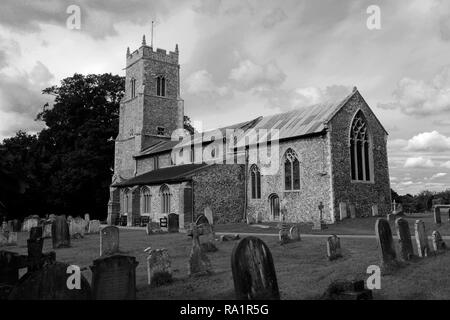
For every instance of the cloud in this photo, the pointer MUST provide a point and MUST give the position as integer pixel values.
(429, 141)
(273, 18)
(446, 165)
(418, 162)
(201, 83)
(438, 175)
(422, 98)
(250, 75)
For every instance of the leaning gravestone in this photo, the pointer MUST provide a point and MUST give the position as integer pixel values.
(109, 240)
(386, 243)
(294, 233)
(404, 239)
(421, 239)
(437, 215)
(375, 210)
(209, 215)
(199, 263)
(94, 226)
(438, 244)
(50, 283)
(60, 233)
(333, 248)
(77, 227)
(158, 266)
(283, 236)
(253, 271)
(114, 278)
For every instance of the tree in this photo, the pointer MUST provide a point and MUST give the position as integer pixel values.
(188, 125)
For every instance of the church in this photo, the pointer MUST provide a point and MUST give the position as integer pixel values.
(321, 163)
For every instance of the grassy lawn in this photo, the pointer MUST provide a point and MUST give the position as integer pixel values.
(359, 226)
(303, 270)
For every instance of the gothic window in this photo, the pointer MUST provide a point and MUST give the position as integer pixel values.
(146, 200)
(274, 201)
(127, 201)
(161, 86)
(360, 149)
(165, 199)
(256, 182)
(291, 171)
(133, 88)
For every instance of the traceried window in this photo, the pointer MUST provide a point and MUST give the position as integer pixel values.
(256, 182)
(160, 131)
(127, 201)
(360, 149)
(161, 86)
(291, 171)
(165, 199)
(146, 200)
(133, 88)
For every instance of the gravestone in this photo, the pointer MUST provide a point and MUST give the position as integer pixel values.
(158, 266)
(94, 226)
(209, 215)
(333, 248)
(437, 215)
(11, 225)
(163, 224)
(47, 229)
(50, 283)
(16, 225)
(421, 239)
(201, 219)
(12, 239)
(34, 247)
(109, 240)
(3, 238)
(438, 244)
(199, 263)
(87, 217)
(404, 239)
(390, 217)
(352, 211)
(35, 233)
(114, 278)
(77, 227)
(60, 233)
(253, 271)
(343, 211)
(386, 243)
(9, 267)
(283, 236)
(294, 233)
(29, 223)
(375, 210)
(174, 222)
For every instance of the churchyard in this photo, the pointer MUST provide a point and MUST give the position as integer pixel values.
(302, 268)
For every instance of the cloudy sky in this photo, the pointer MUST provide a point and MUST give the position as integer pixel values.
(241, 59)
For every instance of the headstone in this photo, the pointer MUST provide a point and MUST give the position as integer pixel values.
(35, 233)
(352, 211)
(421, 239)
(163, 224)
(50, 283)
(60, 233)
(404, 239)
(29, 223)
(283, 236)
(375, 210)
(4, 226)
(343, 211)
(16, 225)
(87, 217)
(386, 243)
(11, 225)
(3, 238)
(209, 215)
(47, 229)
(9, 268)
(158, 266)
(94, 226)
(174, 222)
(201, 219)
(253, 271)
(77, 227)
(438, 244)
(34, 247)
(199, 263)
(12, 239)
(333, 248)
(437, 215)
(294, 233)
(390, 217)
(109, 240)
(114, 278)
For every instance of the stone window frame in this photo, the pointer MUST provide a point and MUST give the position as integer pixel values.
(366, 156)
(291, 155)
(255, 182)
(166, 197)
(133, 88)
(127, 201)
(161, 86)
(272, 211)
(146, 200)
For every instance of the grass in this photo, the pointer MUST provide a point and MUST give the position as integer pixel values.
(303, 270)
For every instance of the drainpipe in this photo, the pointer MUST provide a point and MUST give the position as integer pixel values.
(245, 185)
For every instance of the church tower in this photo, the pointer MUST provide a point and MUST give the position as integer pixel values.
(151, 108)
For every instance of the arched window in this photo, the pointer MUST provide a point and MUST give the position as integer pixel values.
(161, 86)
(256, 182)
(291, 170)
(127, 201)
(133, 88)
(360, 149)
(274, 201)
(165, 199)
(146, 200)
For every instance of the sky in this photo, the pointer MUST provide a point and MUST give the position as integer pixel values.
(241, 59)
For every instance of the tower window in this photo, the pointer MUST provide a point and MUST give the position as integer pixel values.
(291, 171)
(161, 86)
(256, 182)
(360, 149)
(160, 131)
(133, 88)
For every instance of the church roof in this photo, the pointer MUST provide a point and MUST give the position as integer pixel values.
(163, 175)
